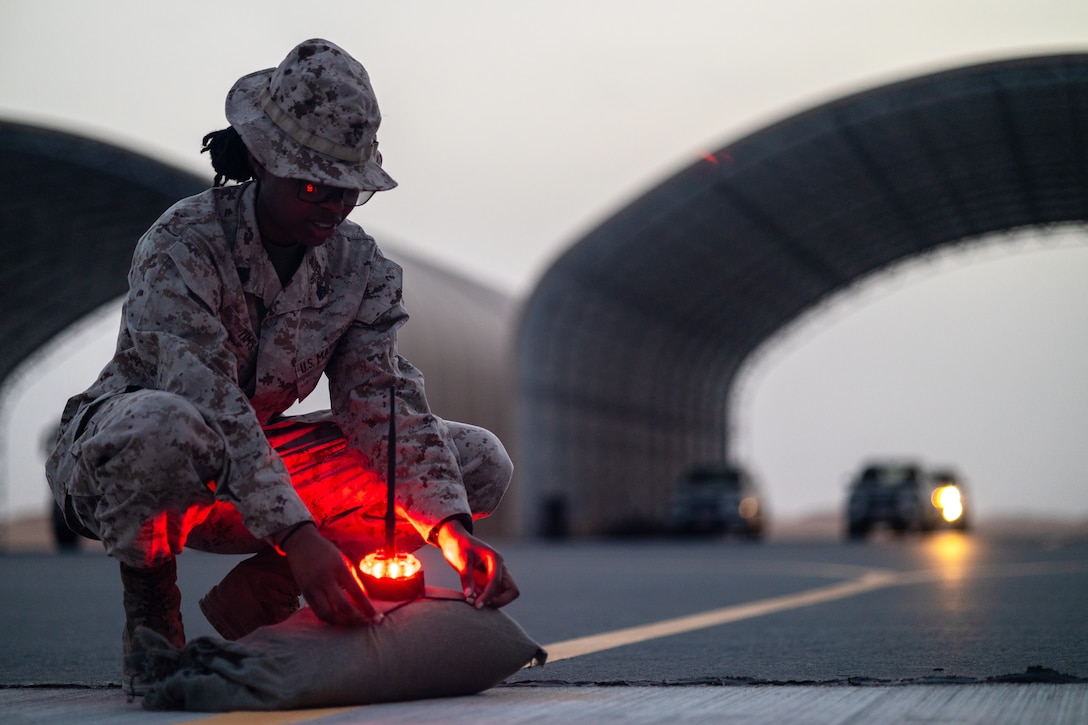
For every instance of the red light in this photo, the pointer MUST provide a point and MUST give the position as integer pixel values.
(392, 577)
(718, 158)
(386, 574)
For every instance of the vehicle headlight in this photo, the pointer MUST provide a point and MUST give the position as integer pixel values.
(949, 501)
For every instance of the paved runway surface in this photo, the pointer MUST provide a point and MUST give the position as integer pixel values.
(946, 628)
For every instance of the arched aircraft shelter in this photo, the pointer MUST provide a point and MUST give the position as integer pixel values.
(629, 348)
(630, 345)
(73, 209)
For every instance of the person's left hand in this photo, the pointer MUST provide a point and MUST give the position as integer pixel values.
(483, 571)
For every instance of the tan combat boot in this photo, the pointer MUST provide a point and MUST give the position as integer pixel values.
(151, 599)
(258, 592)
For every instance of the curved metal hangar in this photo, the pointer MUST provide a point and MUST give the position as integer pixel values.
(631, 343)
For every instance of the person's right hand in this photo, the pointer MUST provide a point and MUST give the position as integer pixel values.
(327, 581)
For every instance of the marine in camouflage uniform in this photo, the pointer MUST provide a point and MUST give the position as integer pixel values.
(182, 440)
(177, 440)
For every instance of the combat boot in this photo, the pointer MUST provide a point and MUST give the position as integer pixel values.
(151, 599)
(258, 592)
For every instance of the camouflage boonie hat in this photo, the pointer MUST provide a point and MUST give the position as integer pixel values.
(314, 117)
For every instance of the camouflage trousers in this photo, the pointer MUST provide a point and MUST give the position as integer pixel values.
(147, 492)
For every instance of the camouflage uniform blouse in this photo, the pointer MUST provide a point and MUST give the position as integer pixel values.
(207, 318)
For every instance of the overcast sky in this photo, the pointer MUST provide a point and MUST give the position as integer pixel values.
(514, 127)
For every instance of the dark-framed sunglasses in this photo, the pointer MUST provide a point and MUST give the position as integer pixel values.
(323, 193)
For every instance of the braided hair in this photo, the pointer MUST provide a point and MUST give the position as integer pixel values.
(229, 155)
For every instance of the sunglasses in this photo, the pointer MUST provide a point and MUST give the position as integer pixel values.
(323, 193)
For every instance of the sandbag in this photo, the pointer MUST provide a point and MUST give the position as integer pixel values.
(434, 646)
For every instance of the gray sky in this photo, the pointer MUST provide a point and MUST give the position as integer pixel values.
(514, 127)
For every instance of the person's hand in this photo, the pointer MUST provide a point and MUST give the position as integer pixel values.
(483, 572)
(327, 580)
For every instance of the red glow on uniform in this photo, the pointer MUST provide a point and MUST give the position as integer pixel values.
(154, 531)
(711, 158)
(166, 533)
(333, 477)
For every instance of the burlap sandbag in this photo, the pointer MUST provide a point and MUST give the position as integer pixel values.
(435, 646)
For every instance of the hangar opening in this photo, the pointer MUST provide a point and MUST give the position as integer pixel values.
(629, 349)
(630, 346)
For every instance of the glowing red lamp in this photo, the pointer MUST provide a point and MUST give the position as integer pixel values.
(391, 578)
(386, 574)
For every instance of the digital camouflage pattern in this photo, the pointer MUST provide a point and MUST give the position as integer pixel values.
(172, 440)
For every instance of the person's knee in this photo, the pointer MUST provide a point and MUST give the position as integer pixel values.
(168, 418)
(479, 451)
(149, 446)
(154, 429)
(489, 474)
(503, 464)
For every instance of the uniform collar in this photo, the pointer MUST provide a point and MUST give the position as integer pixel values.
(311, 285)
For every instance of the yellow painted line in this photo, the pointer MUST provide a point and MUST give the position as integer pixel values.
(631, 635)
(871, 581)
(281, 717)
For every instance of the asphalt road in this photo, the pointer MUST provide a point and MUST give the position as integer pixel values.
(839, 622)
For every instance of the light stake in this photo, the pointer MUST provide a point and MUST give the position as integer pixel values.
(386, 574)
